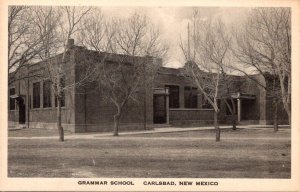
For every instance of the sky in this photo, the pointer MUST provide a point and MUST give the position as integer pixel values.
(172, 22)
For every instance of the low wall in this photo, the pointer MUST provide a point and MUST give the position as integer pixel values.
(109, 127)
(81, 128)
(43, 125)
(191, 117)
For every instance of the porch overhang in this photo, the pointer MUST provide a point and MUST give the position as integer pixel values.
(16, 96)
(161, 91)
(243, 96)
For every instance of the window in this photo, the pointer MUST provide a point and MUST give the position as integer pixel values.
(12, 103)
(62, 101)
(190, 97)
(205, 102)
(47, 94)
(36, 95)
(231, 106)
(174, 96)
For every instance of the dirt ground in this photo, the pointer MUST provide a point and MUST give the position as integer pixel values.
(244, 153)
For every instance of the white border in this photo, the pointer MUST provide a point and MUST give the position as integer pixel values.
(63, 184)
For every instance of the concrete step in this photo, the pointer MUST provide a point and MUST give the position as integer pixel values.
(16, 127)
(248, 122)
(159, 125)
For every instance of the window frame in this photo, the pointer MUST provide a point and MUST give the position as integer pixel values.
(48, 95)
(227, 111)
(205, 103)
(11, 100)
(34, 96)
(190, 93)
(172, 98)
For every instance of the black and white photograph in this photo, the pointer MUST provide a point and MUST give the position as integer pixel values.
(159, 97)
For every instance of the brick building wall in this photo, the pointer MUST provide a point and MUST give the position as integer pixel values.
(94, 111)
(43, 117)
(183, 116)
(87, 109)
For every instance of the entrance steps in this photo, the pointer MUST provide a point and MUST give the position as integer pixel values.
(16, 127)
(248, 122)
(159, 125)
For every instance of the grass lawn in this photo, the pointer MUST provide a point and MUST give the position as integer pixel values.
(240, 154)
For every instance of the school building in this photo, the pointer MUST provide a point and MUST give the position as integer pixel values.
(172, 99)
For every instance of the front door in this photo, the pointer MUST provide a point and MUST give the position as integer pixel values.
(159, 109)
(22, 118)
(248, 110)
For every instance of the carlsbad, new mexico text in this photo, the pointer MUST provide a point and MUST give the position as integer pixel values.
(174, 183)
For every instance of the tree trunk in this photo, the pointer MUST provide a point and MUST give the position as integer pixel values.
(289, 114)
(59, 126)
(287, 108)
(286, 96)
(233, 114)
(116, 124)
(145, 101)
(217, 128)
(59, 99)
(233, 122)
(275, 116)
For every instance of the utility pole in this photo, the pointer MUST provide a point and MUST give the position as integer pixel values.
(145, 102)
(28, 97)
(189, 56)
(194, 35)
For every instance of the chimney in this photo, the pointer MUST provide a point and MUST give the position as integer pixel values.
(70, 43)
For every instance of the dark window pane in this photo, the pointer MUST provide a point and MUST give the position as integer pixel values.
(47, 94)
(194, 98)
(231, 107)
(205, 102)
(36, 95)
(190, 97)
(12, 103)
(174, 96)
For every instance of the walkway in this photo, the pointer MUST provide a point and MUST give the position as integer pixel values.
(155, 130)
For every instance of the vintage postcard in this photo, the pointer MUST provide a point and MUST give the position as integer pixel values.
(150, 95)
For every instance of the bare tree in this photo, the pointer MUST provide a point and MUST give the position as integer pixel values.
(207, 60)
(263, 45)
(230, 83)
(23, 43)
(61, 23)
(132, 43)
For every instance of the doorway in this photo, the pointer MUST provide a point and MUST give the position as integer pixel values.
(248, 110)
(159, 109)
(22, 115)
